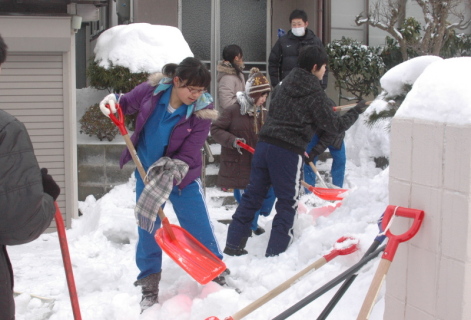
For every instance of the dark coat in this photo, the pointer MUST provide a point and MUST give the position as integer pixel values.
(25, 210)
(234, 171)
(298, 110)
(284, 55)
(188, 135)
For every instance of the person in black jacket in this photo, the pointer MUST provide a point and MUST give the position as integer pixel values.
(284, 54)
(298, 110)
(27, 197)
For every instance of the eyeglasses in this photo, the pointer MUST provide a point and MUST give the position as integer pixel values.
(195, 91)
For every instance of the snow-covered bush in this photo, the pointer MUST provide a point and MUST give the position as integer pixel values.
(357, 68)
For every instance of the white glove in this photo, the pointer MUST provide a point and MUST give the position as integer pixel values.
(235, 145)
(111, 101)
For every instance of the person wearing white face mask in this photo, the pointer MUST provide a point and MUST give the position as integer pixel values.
(284, 54)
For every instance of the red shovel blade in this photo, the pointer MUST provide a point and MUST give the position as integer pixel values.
(192, 256)
(327, 193)
(323, 211)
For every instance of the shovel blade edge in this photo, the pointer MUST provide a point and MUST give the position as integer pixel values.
(327, 193)
(190, 254)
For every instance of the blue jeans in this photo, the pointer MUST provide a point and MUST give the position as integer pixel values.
(339, 160)
(190, 207)
(266, 208)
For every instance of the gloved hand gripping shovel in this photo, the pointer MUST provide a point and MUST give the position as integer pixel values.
(389, 252)
(192, 256)
(343, 246)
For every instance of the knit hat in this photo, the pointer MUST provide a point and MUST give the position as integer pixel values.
(257, 84)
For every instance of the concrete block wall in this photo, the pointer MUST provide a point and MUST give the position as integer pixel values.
(430, 170)
(98, 169)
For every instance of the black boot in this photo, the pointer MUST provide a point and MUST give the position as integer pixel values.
(150, 290)
(240, 251)
(258, 231)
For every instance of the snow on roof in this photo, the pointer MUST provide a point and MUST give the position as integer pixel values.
(141, 47)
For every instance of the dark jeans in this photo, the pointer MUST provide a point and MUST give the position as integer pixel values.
(281, 168)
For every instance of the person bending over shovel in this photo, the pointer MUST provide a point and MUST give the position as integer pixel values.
(173, 121)
(299, 109)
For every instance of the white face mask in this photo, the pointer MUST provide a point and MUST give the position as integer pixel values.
(298, 32)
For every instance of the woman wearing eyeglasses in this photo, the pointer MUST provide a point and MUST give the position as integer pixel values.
(174, 118)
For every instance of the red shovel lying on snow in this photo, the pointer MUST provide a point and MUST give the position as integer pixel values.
(343, 246)
(323, 193)
(192, 256)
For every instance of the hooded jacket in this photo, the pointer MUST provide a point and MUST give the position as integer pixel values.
(298, 110)
(188, 135)
(234, 171)
(229, 83)
(284, 55)
(25, 210)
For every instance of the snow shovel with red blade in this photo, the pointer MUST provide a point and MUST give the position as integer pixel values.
(323, 193)
(192, 256)
(343, 246)
(69, 273)
(389, 252)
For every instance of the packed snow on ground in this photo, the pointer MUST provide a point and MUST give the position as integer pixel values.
(102, 241)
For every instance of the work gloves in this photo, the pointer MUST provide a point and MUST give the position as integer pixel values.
(49, 185)
(311, 156)
(111, 100)
(235, 145)
(360, 107)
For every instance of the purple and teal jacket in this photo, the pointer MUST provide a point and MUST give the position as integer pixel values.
(188, 135)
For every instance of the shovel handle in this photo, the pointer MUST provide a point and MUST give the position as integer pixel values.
(119, 121)
(389, 252)
(246, 146)
(346, 107)
(394, 240)
(285, 285)
(370, 298)
(313, 167)
(69, 273)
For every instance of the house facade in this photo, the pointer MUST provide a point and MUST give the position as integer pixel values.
(51, 42)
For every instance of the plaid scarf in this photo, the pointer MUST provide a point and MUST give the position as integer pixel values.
(160, 177)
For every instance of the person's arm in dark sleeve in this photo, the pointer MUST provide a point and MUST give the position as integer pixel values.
(219, 129)
(274, 63)
(26, 210)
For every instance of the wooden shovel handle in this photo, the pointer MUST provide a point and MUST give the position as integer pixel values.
(313, 167)
(135, 158)
(276, 291)
(346, 107)
(370, 298)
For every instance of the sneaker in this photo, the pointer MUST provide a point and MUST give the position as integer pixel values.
(258, 231)
(150, 290)
(235, 252)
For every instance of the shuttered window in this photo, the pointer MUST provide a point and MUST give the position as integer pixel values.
(31, 89)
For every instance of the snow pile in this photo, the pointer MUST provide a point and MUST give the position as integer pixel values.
(141, 47)
(441, 93)
(406, 73)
